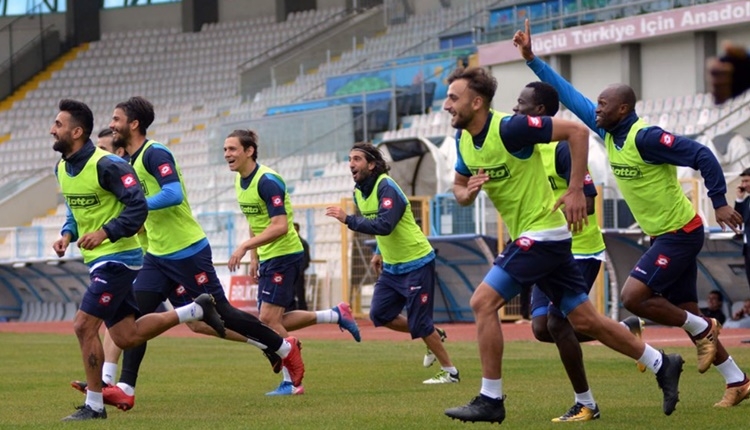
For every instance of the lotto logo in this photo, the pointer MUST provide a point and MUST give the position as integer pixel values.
(105, 299)
(277, 201)
(662, 261)
(534, 121)
(180, 290)
(666, 139)
(128, 180)
(387, 203)
(524, 243)
(277, 278)
(165, 170)
(423, 298)
(201, 278)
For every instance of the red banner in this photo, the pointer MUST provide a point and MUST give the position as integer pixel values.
(243, 293)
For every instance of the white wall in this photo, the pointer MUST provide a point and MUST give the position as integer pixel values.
(511, 78)
(165, 15)
(667, 67)
(740, 35)
(242, 10)
(592, 71)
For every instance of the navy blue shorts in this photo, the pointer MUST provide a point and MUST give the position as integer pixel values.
(548, 264)
(182, 280)
(110, 296)
(277, 278)
(414, 290)
(540, 303)
(670, 266)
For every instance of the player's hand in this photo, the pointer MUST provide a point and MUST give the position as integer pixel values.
(234, 260)
(92, 240)
(476, 181)
(728, 217)
(522, 40)
(574, 208)
(253, 270)
(376, 263)
(336, 212)
(721, 72)
(61, 245)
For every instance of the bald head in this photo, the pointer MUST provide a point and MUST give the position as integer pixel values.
(614, 103)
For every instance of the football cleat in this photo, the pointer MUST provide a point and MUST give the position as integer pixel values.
(735, 394)
(705, 343)
(578, 412)
(113, 395)
(668, 378)
(347, 321)
(429, 357)
(210, 316)
(480, 409)
(443, 377)
(293, 361)
(85, 412)
(286, 388)
(274, 359)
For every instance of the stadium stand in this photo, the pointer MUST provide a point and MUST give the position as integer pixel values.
(192, 80)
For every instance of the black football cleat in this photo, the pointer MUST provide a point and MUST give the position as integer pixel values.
(480, 409)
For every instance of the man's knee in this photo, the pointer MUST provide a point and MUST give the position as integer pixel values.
(539, 328)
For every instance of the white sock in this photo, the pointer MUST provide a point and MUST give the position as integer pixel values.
(127, 389)
(95, 400)
(651, 358)
(492, 388)
(285, 373)
(191, 312)
(109, 371)
(327, 316)
(586, 399)
(284, 349)
(694, 324)
(729, 370)
(452, 370)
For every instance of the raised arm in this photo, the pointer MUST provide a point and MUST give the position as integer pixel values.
(582, 107)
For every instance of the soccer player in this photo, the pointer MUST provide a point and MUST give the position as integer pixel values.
(662, 285)
(105, 141)
(742, 205)
(547, 322)
(729, 76)
(497, 152)
(178, 264)
(404, 259)
(276, 249)
(106, 207)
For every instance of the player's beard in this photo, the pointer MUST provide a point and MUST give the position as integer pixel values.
(62, 145)
(120, 140)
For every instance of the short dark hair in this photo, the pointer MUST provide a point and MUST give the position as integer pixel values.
(479, 79)
(545, 95)
(718, 293)
(373, 154)
(80, 114)
(745, 172)
(140, 109)
(247, 138)
(105, 132)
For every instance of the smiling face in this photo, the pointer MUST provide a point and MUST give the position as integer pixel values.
(237, 157)
(610, 109)
(65, 131)
(121, 128)
(462, 103)
(526, 104)
(359, 166)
